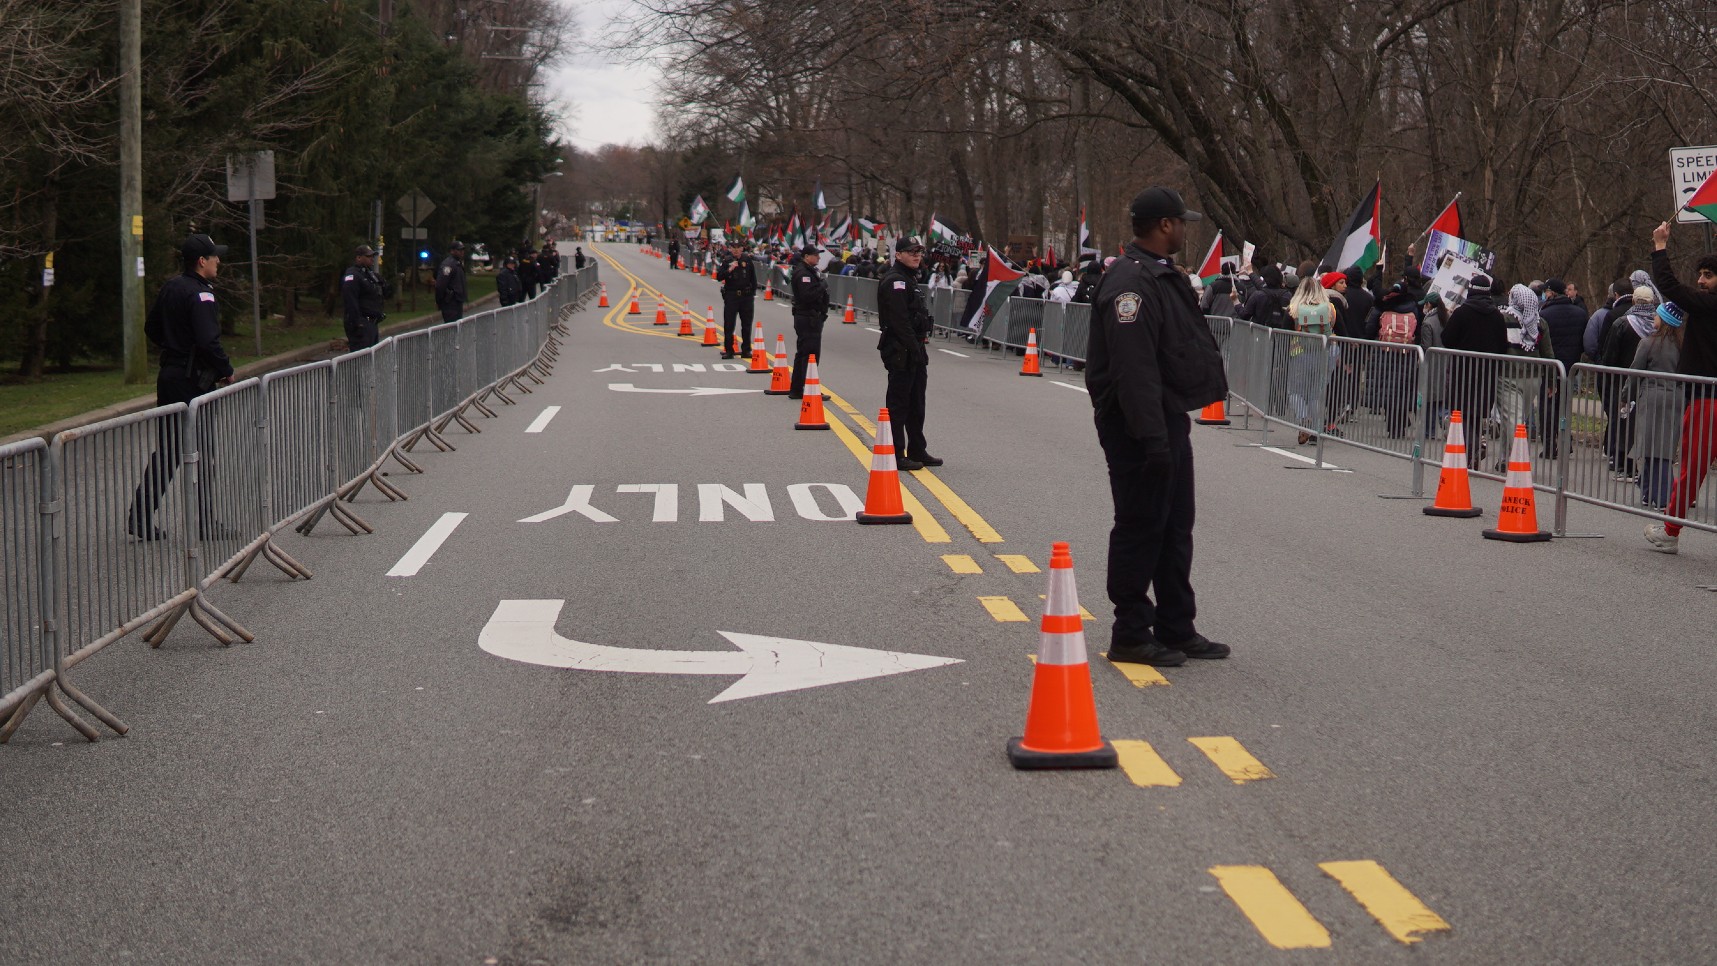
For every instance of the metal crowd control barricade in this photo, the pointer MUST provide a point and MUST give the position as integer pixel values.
(1007, 329)
(864, 297)
(1623, 445)
(30, 659)
(443, 381)
(1494, 393)
(1377, 399)
(412, 393)
(233, 483)
(1248, 353)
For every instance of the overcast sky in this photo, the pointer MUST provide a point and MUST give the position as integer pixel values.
(611, 100)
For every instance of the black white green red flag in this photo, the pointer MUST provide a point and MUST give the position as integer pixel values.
(1704, 201)
(1361, 242)
(997, 281)
(1211, 268)
(700, 211)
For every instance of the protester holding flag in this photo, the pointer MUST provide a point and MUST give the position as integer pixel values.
(1698, 357)
(1151, 359)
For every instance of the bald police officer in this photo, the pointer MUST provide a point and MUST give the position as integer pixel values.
(1151, 360)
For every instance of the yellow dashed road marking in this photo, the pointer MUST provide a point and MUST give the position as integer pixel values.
(1279, 917)
(961, 563)
(1142, 675)
(1019, 563)
(1234, 760)
(1144, 767)
(1395, 909)
(1003, 609)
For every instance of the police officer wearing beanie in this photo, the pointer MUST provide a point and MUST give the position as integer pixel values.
(450, 284)
(738, 278)
(905, 325)
(810, 311)
(1151, 360)
(363, 293)
(185, 322)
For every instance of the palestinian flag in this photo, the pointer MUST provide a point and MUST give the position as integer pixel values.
(700, 211)
(840, 231)
(1086, 252)
(817, 201)
(1361, 244)
(997, 280)
(1212, 267)
(736, 191)
(1449, 222)
(869, 227)
(745, 219)
(944, 230)
(1704, 201)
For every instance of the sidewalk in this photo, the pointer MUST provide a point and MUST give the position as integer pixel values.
(285, 360)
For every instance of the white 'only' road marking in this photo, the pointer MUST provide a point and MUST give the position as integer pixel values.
(953, 353)
(1069, 385)
(426, 545)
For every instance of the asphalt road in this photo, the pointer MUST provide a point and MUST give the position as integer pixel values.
(1510, 743)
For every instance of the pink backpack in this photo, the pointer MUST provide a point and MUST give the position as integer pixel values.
(1399, 328)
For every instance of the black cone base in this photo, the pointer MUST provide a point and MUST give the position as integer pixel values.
(1039, 374)
(1536, 537)
(1213, 422)
(810, 425)
(1026, 759)
(777, 392)
(1437, 511)
(872, 519)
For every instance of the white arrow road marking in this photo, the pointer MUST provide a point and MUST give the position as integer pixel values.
(694, 391)
(578, 501)
(523, 630)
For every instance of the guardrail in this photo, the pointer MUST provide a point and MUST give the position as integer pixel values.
(1602, 436)
(126, 524)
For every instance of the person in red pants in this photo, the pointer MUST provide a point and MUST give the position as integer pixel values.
(1698, 358)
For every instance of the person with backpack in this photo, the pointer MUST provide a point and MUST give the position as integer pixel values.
(1269, 304)
(1309, 361)
(1397, 321)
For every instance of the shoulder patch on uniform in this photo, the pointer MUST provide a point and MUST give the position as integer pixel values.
(350, 277)
(447, 269)
(205, 296)
(1127, 307)
(900, 286)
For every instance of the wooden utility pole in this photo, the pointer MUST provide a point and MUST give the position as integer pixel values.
(131, 190)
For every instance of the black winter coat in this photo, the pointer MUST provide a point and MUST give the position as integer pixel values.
(1566, 323)
(1151, 352)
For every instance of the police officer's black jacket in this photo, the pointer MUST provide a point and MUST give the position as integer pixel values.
(508, 287)
(810, 292)
(1151, 352)
(903, 319)
(186, 321)
(738, 278)
(450, 281)
(362, 292)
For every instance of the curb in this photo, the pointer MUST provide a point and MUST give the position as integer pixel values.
(284, 360)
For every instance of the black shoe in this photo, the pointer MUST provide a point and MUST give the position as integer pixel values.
(727, 355)
(908, 463)
(795, 395)
(929, 460)
(1153, 654)
(148, 533)
(1202, 648)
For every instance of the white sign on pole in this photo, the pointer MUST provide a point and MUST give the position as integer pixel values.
(240, 167)
(1688, 169)
(1454, 273)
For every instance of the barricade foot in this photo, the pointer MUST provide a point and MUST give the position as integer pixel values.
(399, 457)
(285, 561)
(216, 622)
(17, 717)
(106, 717)
(488, 413)
(374, 478)
(61, 709)
(157, 633)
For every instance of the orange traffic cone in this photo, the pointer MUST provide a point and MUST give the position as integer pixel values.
(634, 310)
(759, 355)
(768, 293)
(1454, 496)
(603, 303)
(1031, 366)
(1517, 520)
(709, 336)
(847, 317)
(738, 347)
(811, 407)
(661, 311)
(781, 377)
(1061, 722)
(686, 318)
(1214, 414)
(882, 503)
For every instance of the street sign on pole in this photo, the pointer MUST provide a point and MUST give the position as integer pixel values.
(1688, 169)
(250, 178)
(415, 207)
(412, 234)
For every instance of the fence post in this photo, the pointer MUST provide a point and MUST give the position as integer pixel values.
(1421, 424)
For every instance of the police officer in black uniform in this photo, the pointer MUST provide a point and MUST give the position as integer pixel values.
(508, 288)
(810, 311)
(738, 278)
(905, 325)
(185, 322)
(450, 284)
(1152, 359)
(364, 294)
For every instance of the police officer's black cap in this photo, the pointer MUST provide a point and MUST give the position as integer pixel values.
(457, 246)
(363, 251)
(909, 246)
(1159, 202)
(201, 246)
(810, 250)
